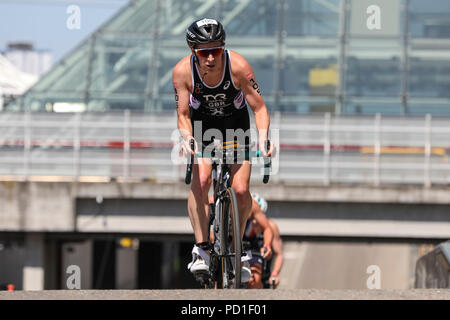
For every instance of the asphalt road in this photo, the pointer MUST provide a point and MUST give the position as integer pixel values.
(202, 294)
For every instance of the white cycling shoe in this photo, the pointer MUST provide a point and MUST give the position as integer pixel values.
(200, 260)
(200, 264)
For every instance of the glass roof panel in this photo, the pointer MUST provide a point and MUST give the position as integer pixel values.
(295, 51)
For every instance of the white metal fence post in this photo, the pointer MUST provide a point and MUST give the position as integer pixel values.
(427, 153)
(377, 149)
(27, 144)
(326, 149)
(77, 145)
(126, 144)
(277, 125)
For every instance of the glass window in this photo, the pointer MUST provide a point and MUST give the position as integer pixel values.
(429, 19)
(374, 68)
(256, 18)
(137, 17)
(312, 18)
(69, 75)
(422, 106)
(309, 67)
(368, 106)
(120, 64)
(429, 77)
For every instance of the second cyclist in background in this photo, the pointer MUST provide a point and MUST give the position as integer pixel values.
(256, 231)
(258, 236)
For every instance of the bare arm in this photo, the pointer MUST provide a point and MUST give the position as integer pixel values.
(252, 93)
(181, 91)
(277, 246)
(262, 220)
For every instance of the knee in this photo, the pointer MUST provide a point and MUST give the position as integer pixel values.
(242, 194)
(205, 182)
(201, 184)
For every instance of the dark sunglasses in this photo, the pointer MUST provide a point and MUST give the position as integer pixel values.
(204, 53)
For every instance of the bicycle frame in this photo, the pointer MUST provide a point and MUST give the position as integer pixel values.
(221, 175)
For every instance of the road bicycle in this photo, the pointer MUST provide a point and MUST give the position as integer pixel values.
(226, 248)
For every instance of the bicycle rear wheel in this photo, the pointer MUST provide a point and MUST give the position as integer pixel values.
(230, 242)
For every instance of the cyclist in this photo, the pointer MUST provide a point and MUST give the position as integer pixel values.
(212, 87)
(277, 249)
(259, 235)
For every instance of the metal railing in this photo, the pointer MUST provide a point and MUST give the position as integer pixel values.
(322, 149)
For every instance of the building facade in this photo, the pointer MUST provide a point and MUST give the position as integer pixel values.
(338, 56)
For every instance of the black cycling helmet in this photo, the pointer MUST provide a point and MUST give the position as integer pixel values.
(204, 31)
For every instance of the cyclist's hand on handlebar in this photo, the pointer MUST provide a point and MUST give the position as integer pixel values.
(274, 279)
(264, 151)
(266, 252)
(186, 147)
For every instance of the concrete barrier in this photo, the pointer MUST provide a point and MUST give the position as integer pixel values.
(433, 269)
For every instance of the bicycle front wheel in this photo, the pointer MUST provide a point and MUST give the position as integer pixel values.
(230, 242)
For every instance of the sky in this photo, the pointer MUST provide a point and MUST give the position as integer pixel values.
(45, 22)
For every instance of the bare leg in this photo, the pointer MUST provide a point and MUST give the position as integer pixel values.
(198, 199)
(240, 184)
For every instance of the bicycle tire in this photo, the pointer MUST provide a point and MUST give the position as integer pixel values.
(216, 264)
(230, 236)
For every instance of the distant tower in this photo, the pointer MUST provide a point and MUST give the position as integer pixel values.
(26, 59)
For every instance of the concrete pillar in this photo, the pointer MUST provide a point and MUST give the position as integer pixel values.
(12, 257)
(33, 269)
(170, 250)
(52, 264)
(126, 267)
(77, 254)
